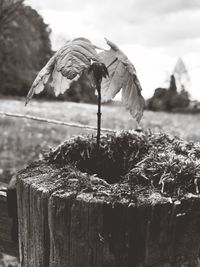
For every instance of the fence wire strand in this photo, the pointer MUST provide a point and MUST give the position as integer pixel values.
(40, 119)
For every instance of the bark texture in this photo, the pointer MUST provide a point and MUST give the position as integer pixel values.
(63, 224)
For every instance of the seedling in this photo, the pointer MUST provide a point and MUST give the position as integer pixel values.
(108, 71)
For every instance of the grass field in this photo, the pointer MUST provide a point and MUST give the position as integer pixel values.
(22, 140)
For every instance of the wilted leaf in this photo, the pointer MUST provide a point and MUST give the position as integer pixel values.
(122, 75)
(41, 79)
(65, 66)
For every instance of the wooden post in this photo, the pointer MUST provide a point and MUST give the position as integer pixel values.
(62, 224)
(7, 245)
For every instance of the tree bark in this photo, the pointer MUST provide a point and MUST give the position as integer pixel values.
(62, 224)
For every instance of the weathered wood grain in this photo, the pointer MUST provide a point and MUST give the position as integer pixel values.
(7, 245)
(62, 225)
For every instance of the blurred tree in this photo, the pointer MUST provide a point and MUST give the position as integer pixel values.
(170, 94)
(181, 100)
(181, 74)
(172, 86)
(80, 91)
(8, 10)
(25, 48)
(160, 100)
(169, 99)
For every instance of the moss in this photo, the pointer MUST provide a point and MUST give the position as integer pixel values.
(142, 161)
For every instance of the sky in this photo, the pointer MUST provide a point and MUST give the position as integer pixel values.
(154, 34)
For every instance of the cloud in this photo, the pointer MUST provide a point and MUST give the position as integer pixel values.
(153, 25)
(138, 7)
(170, 29)
(149, 23)
(60, 5)
(154, 7)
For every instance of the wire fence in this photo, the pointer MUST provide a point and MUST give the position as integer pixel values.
(40, 119)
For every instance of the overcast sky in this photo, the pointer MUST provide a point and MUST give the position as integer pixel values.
(152, 33)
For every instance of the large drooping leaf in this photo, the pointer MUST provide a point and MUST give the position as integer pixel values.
(65, 66)
(122, 75)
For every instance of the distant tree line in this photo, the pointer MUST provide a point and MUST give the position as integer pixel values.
(25, 47)
(169, 99)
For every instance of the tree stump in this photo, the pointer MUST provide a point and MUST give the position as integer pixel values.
(74, 219)
(60, 226)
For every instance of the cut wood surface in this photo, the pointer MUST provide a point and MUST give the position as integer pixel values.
(63, 222)
(7, 245)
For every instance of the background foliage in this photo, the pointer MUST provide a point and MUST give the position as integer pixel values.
(24, 48)
(169, 99)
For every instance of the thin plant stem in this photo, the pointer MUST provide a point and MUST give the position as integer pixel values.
(99, 116)
(99, 71)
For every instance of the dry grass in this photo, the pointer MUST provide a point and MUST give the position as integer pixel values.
(22, 141)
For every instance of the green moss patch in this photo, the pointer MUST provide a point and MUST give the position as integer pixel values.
(138, 161)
